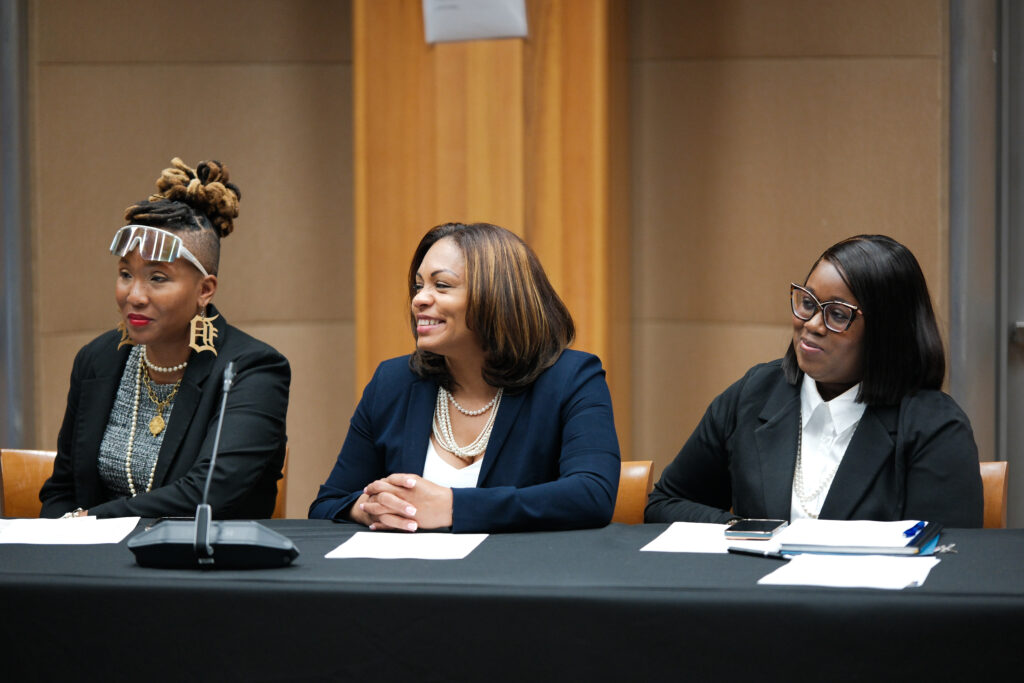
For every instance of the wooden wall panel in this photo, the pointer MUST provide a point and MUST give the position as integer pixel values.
(762, 164)
(320, 354)
(188, 31)
(730, 29)
(120, 88)
(295, 193)
(517, 133)
(681, 366)
(577, 118)
(762, 133)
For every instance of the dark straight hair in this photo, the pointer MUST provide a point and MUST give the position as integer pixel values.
(903, 351)
(520, 320)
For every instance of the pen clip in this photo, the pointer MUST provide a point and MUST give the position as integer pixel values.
(914, 530)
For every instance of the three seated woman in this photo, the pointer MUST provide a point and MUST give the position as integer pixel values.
(493, 423)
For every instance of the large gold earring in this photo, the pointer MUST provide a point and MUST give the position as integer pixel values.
(202, 333)
(125, 339)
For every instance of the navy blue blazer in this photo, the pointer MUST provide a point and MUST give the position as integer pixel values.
(252, 444)
(552, 461)
(915, 460)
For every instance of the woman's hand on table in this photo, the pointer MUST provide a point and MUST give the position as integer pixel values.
(404, 502)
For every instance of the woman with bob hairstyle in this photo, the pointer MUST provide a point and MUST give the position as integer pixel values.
(850, 424)
(492, 424)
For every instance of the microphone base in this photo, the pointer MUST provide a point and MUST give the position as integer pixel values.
(170, 544)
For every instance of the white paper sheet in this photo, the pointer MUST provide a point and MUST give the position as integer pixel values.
(847, 533)
(71, 531)
(695, 537)
(394, 546)
(852, 571)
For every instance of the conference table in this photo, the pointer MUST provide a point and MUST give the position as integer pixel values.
(571, 605)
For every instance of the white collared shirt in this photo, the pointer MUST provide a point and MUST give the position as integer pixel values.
(827, 428)
(435, 469)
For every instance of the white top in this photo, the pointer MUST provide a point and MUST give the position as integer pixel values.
(828, 428)
(435, 469)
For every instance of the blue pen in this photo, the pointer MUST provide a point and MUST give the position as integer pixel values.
(912, 531)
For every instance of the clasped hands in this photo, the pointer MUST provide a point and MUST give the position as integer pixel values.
(405, 502)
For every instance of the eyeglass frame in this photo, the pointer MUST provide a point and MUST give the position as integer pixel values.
(178, 247)
(821, 308)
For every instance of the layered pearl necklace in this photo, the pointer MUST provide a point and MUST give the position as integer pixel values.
(157, 424)
(807, 499)
(442, 426)
(131, 435)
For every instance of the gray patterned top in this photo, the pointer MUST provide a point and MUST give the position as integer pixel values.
(146, 449)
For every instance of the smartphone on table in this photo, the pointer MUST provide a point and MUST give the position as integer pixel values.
(755, 529)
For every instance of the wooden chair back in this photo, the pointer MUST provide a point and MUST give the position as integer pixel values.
(635, 483)
(280, 510)
(22, 474)
(993, 481)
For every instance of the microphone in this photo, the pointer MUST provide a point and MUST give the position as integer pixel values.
(201, 542)
(207, 544)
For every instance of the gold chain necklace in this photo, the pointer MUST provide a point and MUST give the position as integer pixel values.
(139, 373)
(157, 424)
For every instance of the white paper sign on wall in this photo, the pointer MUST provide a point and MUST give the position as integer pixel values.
(452, 20)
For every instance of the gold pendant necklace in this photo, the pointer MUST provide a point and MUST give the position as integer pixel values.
(157, 424)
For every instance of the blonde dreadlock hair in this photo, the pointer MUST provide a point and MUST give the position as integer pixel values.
(200, 200)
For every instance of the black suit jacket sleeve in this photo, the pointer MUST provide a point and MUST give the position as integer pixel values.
(58, 493)
(943, 480)
(696, 485)
(251, 447)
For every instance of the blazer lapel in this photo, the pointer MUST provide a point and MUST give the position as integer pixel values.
(870, 448)
(96, 400)
(508, 411)
(776, 448)
(200, 365)
(419, 418)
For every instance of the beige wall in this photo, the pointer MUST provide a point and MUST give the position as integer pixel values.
(762, 133)
(119, 88)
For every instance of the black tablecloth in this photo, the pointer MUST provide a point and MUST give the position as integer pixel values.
(577, 605)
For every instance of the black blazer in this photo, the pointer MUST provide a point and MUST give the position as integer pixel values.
(252, 443)
(915, 460)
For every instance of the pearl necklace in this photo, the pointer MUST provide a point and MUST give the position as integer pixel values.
(131, 436)
(798, 478)
(442, 428)
(472, 413)
(156, 368)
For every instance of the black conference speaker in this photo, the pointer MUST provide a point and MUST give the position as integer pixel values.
(171, 544)
(176, 544)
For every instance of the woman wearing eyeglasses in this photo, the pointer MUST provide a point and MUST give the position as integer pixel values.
(850, 424)
(492, 424)
(145, 398)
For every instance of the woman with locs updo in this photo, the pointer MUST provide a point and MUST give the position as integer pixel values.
(145, 398)
(492, 424)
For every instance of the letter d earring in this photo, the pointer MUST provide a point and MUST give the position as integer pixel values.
(202, 333)
(125, 339)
